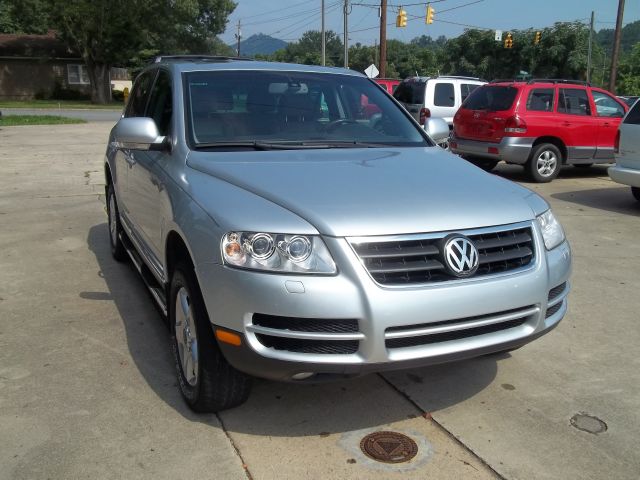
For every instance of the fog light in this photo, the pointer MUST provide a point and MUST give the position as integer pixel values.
(302, 375)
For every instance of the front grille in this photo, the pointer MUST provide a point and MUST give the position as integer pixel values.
(554, 292)
(455, 335)
(554, 309)
(411, 261)
(340, 347)
(306, 324)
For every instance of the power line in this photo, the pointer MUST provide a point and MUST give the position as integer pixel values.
(269, 12)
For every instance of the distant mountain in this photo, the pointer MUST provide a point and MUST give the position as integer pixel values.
(629, 37)
(259, 44)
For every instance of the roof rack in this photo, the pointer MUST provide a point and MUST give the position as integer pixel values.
(559, 80)
(461, 77)
(195, 58)
(506, 80)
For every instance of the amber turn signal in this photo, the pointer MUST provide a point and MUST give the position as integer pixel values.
(228, 337)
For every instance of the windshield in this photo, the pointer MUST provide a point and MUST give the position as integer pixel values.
(492, 98)
(263, 108)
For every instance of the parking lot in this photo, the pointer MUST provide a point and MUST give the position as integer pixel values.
(87, 385)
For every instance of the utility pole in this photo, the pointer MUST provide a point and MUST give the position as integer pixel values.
(323, 38)
(616, 48)
(383, 38)
(346, 34)
(589, 53)
(238, 37)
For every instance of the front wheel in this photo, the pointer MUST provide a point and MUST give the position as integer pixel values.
(207, 381)
(545, 162)
(635, 191)
(115, 228)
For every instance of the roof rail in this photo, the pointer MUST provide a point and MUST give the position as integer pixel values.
(559, 80)
(195, 58)
(505, 80)
(462, 77)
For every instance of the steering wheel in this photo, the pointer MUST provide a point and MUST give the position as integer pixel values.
(336, 123)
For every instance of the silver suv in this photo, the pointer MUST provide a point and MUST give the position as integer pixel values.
(289, 233)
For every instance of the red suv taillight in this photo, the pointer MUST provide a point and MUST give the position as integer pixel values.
(515, 124)
(616, 143)
(424, 114)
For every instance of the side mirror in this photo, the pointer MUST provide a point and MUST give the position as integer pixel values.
(138, 133)
(437, 129)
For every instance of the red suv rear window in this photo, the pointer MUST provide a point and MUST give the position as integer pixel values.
(494, 98)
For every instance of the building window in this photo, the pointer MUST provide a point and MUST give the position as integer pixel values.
(77, 75)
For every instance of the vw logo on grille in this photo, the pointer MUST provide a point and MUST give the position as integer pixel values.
(460, 256)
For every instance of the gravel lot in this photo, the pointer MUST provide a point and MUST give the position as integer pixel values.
(87, 388)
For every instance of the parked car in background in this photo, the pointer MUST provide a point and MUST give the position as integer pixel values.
(438, 97)
(389, 84)
(540, 124)
(627, 152)
(285, 236)
(629, 100)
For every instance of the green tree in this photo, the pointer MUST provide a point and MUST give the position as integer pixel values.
(24, 16)
(119, 32)
(308, 49)
(628, 82)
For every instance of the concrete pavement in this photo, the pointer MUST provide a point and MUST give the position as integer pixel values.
(87, 387)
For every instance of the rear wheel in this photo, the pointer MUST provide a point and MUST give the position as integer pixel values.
(545, 162)
(207, 381)
(635, 191)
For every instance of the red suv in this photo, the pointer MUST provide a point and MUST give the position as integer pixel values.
(541, 124)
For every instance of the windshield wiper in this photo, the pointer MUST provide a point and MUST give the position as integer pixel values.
(255, 145)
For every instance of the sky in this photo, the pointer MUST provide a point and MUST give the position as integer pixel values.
(289, 19)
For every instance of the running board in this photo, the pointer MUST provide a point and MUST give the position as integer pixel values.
(156, 290)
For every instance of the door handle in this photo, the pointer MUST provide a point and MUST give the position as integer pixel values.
(566, 124)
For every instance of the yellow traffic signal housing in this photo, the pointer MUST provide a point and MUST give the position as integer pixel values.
(401, 19)
(430, 13)
(537, 38)
(508, 41)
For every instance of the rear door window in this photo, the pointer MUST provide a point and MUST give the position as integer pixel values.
(444, 95)
(541, 100)
(573, 101)
(410, 92)
(466, 89)
(493, 98)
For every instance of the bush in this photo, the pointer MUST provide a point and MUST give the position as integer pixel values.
(117, 95)
(60, 93)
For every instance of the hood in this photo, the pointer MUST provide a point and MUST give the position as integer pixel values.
(375, 191)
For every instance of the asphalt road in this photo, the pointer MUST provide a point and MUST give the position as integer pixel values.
(89, 115)
(87, 388)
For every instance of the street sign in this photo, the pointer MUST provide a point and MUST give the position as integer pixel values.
(498, 35)
(371, 71)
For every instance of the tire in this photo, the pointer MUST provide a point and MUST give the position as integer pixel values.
(485, 164)
(208, 383)
(583, 165)
(118, 251)
(545, 163)
(635, 191)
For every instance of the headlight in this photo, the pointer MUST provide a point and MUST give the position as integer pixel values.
(277, 252)
(551, 230)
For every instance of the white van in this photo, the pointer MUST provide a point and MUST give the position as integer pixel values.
(438, 97)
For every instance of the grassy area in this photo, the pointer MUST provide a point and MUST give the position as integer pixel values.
(13, 120)
(81, 104)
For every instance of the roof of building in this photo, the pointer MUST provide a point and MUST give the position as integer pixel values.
(34, 46)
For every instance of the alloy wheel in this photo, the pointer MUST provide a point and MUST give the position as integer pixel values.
(186, 337)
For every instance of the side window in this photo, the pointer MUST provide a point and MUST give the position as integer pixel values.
(541, 100)
(607, 106)
(574, 101)
(160, 104)
(403, 93)
(139, 96)
(466, 89)
(443, 95)
(633, 117)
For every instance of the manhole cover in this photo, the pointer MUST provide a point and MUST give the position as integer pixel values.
(389, 447)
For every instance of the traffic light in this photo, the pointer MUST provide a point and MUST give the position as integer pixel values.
(536, 39)
(401, 19)
(430, 13)
(508, 41)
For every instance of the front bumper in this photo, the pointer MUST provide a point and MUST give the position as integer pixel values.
(232, 297)
(510, 149)
(625, 176)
